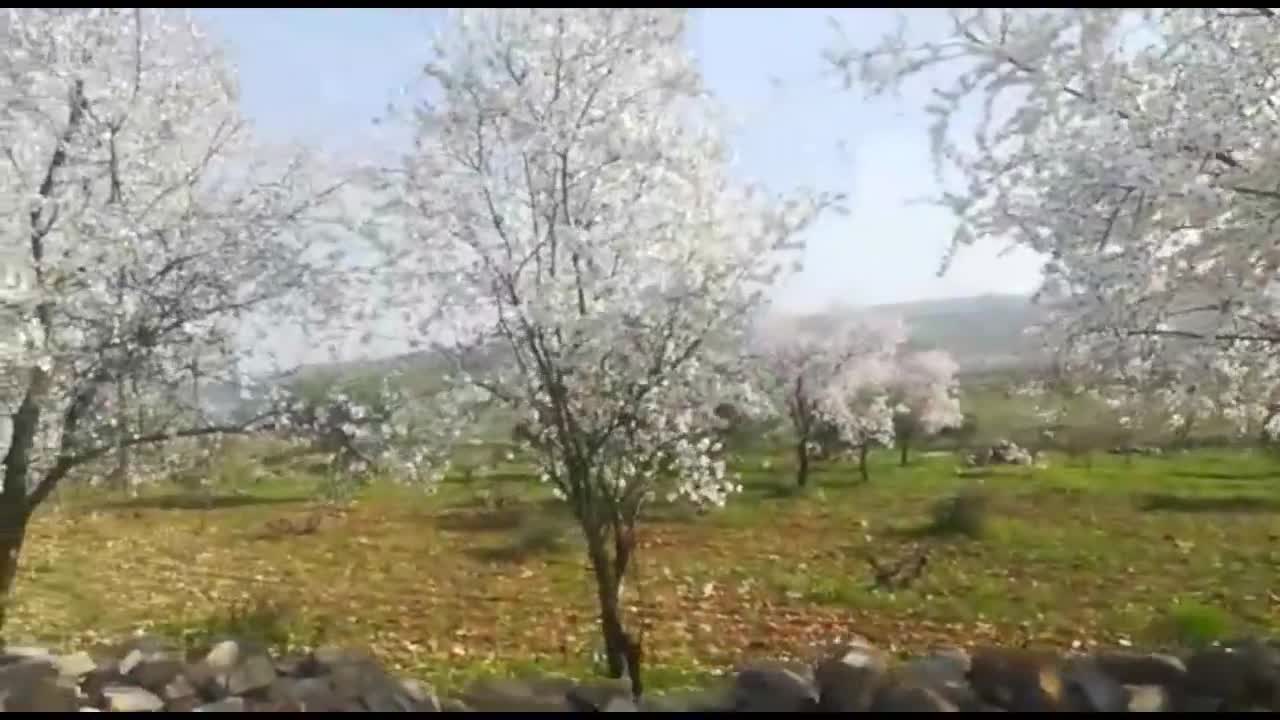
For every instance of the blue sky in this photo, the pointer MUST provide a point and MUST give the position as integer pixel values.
(323, 75)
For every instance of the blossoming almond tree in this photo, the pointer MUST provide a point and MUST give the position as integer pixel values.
(1134, 149)
(572, 221)
(137, 233)
(925, 396)
(830, 368)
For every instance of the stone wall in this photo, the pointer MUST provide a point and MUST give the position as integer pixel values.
(146, 674)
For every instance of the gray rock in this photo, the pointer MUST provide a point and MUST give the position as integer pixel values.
(76, 664)
(312, 694)
(44, 695)
(1149, 698)
(209, 683)
(323, 660)
(1244, 674)
(223, 656)
(126, 698)
(774, 687)
(17, 653)
(1185, 702)
(848, 681)
(1086, 688)
(88, 709)
(422, 694)
(593, 697)
(155, 671)
(178, 688)
(620, 704)
(507, 695)
(1140, 669)
(944, 673)
(452, 705)
(254, 672)
(895, 697)
(231, 704)
(129, 661)
(24, 671)
(291, 666)
(1017, 680)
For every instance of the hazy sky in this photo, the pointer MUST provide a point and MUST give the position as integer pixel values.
(323, 75)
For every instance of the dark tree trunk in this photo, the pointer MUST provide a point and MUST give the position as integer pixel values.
(13, 531)
(904, 447)
(15, 508)
(802, 462)
(862, 463)
(622, 652)
(800, 415)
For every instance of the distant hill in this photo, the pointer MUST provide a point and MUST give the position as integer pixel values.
(984, 333)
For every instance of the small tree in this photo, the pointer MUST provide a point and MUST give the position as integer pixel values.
(860, 405)
(805, 363)
(571, 205)
(139, 233)
(926, 398)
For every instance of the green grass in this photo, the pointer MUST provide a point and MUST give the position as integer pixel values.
(487, 575)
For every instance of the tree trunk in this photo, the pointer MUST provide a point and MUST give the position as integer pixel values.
(904, 445)
(120, 475)
(15, 508)
(13, 530)
(862, 463)
(622, 653)
(802, 462)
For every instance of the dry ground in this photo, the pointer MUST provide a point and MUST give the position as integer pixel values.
(1148, 551)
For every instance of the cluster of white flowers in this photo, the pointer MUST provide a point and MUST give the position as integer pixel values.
(851, 370)
(141, 224)
(569, 202)
(1135, 150)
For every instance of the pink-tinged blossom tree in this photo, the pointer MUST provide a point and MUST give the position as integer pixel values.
(572, 225)
(1135, 149)
(832, 369)
(136, 231)
(925, 396)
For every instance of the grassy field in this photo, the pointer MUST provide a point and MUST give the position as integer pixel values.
(488, 576)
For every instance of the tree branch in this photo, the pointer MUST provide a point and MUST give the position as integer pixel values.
(67, 463)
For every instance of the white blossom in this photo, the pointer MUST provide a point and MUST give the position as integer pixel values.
(1135, 150)
(589, 260)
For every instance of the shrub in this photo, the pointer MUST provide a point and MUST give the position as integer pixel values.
(268, 622)
(962, 514)
(1193, 625)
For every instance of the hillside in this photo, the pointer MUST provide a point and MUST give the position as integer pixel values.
(984, 333)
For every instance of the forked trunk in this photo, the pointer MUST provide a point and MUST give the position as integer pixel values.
(622, 652)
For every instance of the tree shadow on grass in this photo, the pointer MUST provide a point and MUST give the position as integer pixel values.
(497, 520)
(475, 517)
(189, 501)
(531, 540)
(1221, 475)
(1163, 502)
